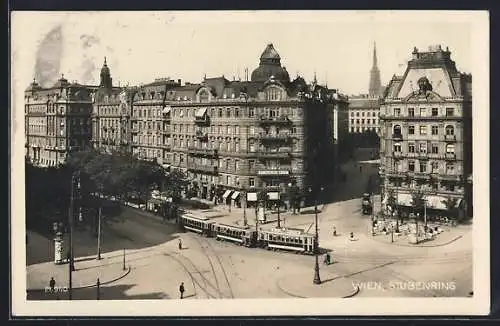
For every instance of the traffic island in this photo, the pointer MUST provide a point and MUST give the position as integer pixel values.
(332, 286)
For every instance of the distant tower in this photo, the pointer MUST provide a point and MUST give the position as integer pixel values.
(375, 83)
(106, 80)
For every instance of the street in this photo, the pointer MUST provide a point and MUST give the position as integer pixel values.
(213, 269)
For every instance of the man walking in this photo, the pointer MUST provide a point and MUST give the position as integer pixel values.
(52, 284)
(181, 290)
(180, 244)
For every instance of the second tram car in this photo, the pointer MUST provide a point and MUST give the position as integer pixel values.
(198, 224)
(243, 235)
(295, 240)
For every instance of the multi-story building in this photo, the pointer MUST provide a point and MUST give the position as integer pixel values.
(340, 120)
(150, 130)
(426, 135)
(364, 108)
(57, 121)
(265, 133)
(110, 115)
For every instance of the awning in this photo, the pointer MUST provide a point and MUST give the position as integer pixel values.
(235, 195)
(252, 196)
(436, 202)
(200, 113)
(166, 109)
(459, 202)
(226, 194)
(273, 195)
(404, 200)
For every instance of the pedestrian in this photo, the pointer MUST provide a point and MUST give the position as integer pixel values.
(180, 244)
(181, 290)
(352, 236)
(68, 256)
(334, 231)
(52, 284)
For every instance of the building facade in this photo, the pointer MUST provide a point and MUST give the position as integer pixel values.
(243, 136)
(426, 133)
(150, 127)
(110, 114)
(57, 121)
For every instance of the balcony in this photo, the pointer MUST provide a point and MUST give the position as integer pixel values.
(274, 120)
(397, 154)
(167, 129)
(279, 154)
(201, 135)
(449, 177)
(273, 172)
(433, 155)
(395, 174)
(203, 168)
(203, 151)
(450, 156)
(201, 117)
(423, 155)
(397, 136)
(412, 155)
(274, 137)
(450, 138)
(422, 175)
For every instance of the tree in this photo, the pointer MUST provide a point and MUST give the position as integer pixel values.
(392, 202)
(451, 206)
(174, 183)
(418, 202)
(294, 197)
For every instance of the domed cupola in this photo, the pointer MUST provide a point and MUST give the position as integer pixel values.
(106, 80)
(270, 65)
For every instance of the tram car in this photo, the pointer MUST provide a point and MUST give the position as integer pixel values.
(242, 235)
(198, 224)
(289, 239)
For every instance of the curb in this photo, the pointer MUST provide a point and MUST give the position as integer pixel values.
(423, 245)
(350, 295)
(92, 285)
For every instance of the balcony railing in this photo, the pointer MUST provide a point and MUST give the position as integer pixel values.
(395, 174)
(277, 137)
(201, 135)
(450, 156)
(274, 120)
(397, 154)
(450, 138)
(449, 177)
(202, 120)
(422, 175)
(203, 168)
(203, 151)
(278, 154)
(273, 172)
(397, 136)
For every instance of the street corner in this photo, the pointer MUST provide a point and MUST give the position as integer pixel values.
(331, 286)
(38, 276)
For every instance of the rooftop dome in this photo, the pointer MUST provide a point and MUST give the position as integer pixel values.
(33, 86)
(270, 65)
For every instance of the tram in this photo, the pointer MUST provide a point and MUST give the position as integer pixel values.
(289, 239)
(198, 224)
(242, 235)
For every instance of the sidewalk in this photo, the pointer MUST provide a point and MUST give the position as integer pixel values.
(332, 286)
(109, 269)
(445, 238)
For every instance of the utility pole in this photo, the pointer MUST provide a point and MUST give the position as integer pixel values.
(317, 279)
(99, 234)
(279, 208)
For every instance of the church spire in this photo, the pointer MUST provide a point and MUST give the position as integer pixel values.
(106, 80)
(375, 83)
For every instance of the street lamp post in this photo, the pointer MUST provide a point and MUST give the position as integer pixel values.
(75, 181)
(245, 222)
(279, 208)
(317, 279)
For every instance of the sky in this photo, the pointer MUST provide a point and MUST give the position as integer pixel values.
(142, 46)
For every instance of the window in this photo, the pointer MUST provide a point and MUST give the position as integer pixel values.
(362, 114)
(251, 164)
(357, 121)
(362, 121)
(434, 149)
(422, 147)
(411, 148)
(411, 166)
(251, 182)
(352, 114)
(237, 165)
(229, 130)
(434, 167)
(236, 112)
(397, 147)
(237, 147)
(228, 112)
(374, 121)
(251, 112)
(450, 131)
(411, 112)
(450, 168)
(352, 129)
(411, 130)
(220, 113)
(397, 112)
(423, 166)
(352, 121)
(423, 130)
(357, 114)
(397, 130)
(227, 164)
(423, 112)
(181, 158)
(434, 112)
(434, 130)
(450, 112)
(450, 149)
(294, 130)
(357, 129)
(237, 130)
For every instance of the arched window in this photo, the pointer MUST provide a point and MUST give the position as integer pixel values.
(204, 96)
(397, 130)
(450, 131)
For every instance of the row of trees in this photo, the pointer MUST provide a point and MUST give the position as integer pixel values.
(118, 174)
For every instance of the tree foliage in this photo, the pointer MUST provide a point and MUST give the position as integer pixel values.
(451, 206)
(392, 201)
(418, 201)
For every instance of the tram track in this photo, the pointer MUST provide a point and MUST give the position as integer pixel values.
(222, 269)
(209, 261)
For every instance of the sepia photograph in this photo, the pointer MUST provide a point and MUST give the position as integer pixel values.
(249, 163)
